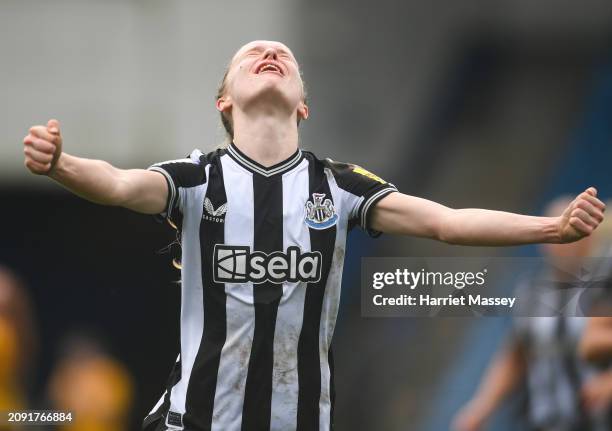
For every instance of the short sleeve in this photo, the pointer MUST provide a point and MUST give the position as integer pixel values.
(363, 190)
(180, 174)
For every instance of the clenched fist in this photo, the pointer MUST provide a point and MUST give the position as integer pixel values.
(42, 148)
(581, 217)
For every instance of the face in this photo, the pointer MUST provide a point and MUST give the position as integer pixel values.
(264, 72)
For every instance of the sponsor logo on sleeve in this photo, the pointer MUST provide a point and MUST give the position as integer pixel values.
(359, 170)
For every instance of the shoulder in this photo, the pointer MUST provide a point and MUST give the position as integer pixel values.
(349, 176)
(325, 162)
(211, 157)
(338, 169)
(189, 171)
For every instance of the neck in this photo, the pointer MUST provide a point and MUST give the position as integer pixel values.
(265, 138)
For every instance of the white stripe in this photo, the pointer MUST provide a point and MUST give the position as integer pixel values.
(192, 307)
(353, 203)
(290, 315)
(331, 298)
(240, 312)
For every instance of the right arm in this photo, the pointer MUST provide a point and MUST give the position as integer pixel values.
(95, 180)
(501, 378)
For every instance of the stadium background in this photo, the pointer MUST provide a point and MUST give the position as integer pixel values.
(502, 105)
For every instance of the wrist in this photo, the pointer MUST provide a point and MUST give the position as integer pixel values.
(551, 230)
(58, 167)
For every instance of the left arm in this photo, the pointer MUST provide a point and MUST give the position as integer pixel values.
(398, 213)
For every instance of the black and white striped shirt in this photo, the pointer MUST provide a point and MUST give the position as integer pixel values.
(262, 256)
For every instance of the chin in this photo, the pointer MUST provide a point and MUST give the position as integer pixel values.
(271, 91)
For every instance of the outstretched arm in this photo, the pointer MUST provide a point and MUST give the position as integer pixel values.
(95, 180)
(398, 213)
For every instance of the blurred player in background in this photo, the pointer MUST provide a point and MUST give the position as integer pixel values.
(92, 385)
(596, 348)
(596, 344)
(18, 342)
(263, 229)
(543, 352)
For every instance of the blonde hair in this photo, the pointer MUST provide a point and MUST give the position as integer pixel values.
(225, 119)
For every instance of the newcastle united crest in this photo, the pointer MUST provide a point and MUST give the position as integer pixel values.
(320, 212)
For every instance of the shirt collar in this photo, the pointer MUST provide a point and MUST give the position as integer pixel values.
(250, 164)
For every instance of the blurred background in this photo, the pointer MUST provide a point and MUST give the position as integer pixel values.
(501, 104)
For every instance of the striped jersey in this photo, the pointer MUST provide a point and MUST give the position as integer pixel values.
(261, 267)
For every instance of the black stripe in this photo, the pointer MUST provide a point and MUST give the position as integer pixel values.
(268, 237)
(203, 380)
(309, 369)
(173, 379)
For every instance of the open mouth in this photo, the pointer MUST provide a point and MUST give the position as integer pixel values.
(270, 68)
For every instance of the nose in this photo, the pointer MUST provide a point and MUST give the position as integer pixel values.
(271, 53)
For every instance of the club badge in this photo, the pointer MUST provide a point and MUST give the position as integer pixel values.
(320, 212)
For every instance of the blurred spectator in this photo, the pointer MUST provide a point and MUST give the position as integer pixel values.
(596, 348)
(93, 386)
(17, 342)
(542, 352)
(596, 343)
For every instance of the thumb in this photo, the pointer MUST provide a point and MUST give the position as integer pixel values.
(53, 126)
(592, 191)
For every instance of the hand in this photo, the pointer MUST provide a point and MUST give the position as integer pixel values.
(581, 217)
(43, 148)
(597, 392)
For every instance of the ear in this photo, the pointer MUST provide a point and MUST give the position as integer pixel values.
(302, 111)
(223, 104)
